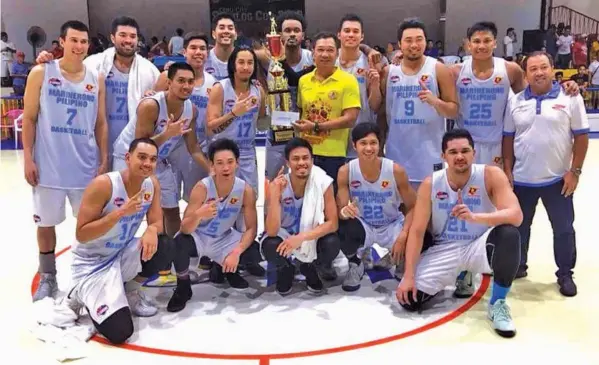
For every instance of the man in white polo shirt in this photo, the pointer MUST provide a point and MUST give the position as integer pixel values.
(544, 146)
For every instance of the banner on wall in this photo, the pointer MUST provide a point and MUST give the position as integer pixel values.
(251, 16)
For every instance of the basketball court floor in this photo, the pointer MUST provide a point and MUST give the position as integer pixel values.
(221, 326)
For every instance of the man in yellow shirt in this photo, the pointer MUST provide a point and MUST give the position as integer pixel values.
(329, 104)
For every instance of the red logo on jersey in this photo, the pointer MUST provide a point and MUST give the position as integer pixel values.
(89, 87)
(385, 183)
(497, 160)
(472, 191)
(360, 71)
(466, 81)
(498, 80)
(442, 195)
(288, 200)
(147, 196)
(55, 82)
(424, 78)
(559, 107)
(119, 201)
(233, 200)
(355, 184)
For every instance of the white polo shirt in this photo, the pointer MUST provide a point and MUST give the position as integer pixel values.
(543, 128)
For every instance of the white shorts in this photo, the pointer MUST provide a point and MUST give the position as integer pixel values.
(103, 292)
(440, 265)
(384, 236)
(49, 207)
(488, 154)
(187, 171)
(169, 194)
(284, 234)
(217, 249)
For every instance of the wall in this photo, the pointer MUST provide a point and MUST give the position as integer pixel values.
(161, 18)
(518, 14)
(19, 15)
(587, 7)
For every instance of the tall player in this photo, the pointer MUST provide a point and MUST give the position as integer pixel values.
(351, 59)
(195, 51)
(107, 253)
(419, 94)
(234, 106)
(166, 117)
(210, 224)
(65, 140)
(224, 34)
(375, 202)
(472, 213)
(116, 63)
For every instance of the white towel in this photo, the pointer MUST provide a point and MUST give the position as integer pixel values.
(143, 75)
(312, 211)
(55, 323)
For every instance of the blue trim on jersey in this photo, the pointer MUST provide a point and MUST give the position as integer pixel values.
(509, 134)
(538, 185)
(578, 132)
(552, 94)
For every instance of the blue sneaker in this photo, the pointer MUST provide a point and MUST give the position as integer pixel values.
(499, 314)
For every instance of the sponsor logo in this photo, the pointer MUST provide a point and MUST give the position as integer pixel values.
(333, 95)
(394, 78)
(288, 200)
(36, 218)
(559, 107)
(102, 310)
(355, 184)
(55, 82)
(119, 201)
(466, 81)
(442, 195)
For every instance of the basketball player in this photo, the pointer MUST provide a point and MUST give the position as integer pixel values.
(484, 84)
(107, 253)
(234, 106)
(282, 223)
(195, 51)
(351, 59)
(473, 214)
(166, 117)
(224, 34)
(121, 95)
(210, 224)
(419, 94)
(375, 201)
(65, 140)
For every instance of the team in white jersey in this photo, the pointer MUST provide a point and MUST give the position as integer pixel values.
(64, 141)
(419, 94)
(167, 117)
(219, 222)
(107, 253)
(375, 201)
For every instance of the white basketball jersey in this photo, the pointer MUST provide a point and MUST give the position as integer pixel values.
(291, 209)
(117, 111)
(229, 209)
(92, 256)
(447, 228)
(216, 67)
(483, 102)
(199, 98)
(360, 72)
(415, 127)
(121, 146)
(65, 148)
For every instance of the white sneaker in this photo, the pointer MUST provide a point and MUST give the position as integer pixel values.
(140, 304)
(47, 287)
(499, 314)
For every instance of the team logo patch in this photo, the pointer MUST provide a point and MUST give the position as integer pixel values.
(333, 95)
(355, 184)
(385, 183)
(147, 196)
(210, 70)
(288, 200)
(498, 79)
(102, 310)
(472, 190)
(442, 195)
(55, 82)
(254, 100)
(119, 201)
(394, 79)
(497, 160)
(89, 87)
(233, 200)
(466, 81)
(360, 71)
(229, 103)
(36, 218)
(424, 78)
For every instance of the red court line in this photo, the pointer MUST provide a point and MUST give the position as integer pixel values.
(264, 359)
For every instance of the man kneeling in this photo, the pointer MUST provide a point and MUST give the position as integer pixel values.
(107, 253)
(301, 220)
(219, 206)
(372, 190)
(473, 214)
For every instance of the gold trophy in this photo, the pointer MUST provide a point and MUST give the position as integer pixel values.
(279, 95)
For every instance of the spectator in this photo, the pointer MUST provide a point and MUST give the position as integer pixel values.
(594, 78)
(594, 47)
(7, 49)
(509, 42)
(580, 51)
(559, 77)
(431, 51)
(175, 46)
(582, 77)
(564, 51)
(19, 73)
(550, 41)
(56, 50)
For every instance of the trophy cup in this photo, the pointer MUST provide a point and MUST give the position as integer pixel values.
(279, 95)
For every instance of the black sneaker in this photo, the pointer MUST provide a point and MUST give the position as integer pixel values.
(285, 277)
(181, 295)
(236, 281)
(205, 263)
(216, 275)
(255, 269)
(312, 279)
(327, 272)
(521, 273)
(567, 286)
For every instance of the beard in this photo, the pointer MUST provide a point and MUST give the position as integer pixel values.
(124, 53)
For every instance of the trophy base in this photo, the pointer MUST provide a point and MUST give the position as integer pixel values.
(281, 135)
